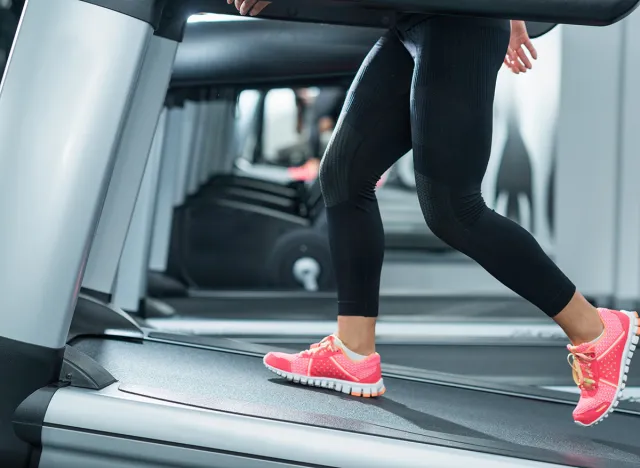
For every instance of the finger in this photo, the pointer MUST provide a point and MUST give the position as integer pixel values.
(510, 64)
(516, 61)
(229, 2)
(259, 7)
(532, 50)
(523, 58)
(247, 5)
(238, 4)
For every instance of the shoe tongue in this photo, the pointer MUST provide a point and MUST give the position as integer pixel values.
(582, 348)
(335, 340)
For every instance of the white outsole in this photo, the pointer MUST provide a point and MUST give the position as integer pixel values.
(625, 362)
(350, 388)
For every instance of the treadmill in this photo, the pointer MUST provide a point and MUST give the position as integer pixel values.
(135, 398)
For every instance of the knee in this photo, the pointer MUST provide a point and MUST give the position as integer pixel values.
(333, 188)
(341, 179)
(449, 212)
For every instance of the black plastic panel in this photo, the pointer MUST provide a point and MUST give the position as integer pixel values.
(172, 21)
(97, 295)
(320, 11)
(586, 12)
(536, 29)
(145, 10)
(29, 417)
(79, 370)
(220, 52)
(161, 285)
(24, 368)
(150, 308)
(497, 423)
(93, 317)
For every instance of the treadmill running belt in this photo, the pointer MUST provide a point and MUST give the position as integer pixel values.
(414, 407)
(536, 365)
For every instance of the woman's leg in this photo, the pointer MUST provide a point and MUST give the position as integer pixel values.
(372, 133)
(457, 61)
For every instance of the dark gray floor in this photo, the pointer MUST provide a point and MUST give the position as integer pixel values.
(324, 308)
(413, 407)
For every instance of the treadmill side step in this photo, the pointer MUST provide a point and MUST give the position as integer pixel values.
(206, 433)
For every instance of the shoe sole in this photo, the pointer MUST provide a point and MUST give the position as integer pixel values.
(343, 386)
(625, 363)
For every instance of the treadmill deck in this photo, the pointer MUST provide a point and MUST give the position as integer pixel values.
(410, 410)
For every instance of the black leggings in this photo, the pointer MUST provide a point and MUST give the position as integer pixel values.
(429, 86)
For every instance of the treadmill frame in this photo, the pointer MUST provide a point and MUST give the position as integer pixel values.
(90, 55)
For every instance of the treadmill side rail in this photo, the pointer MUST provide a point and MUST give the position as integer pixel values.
(157, 433)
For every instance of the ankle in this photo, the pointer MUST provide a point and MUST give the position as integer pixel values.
(358, 334)
(585, 331)
(358, 345)
(580, 321)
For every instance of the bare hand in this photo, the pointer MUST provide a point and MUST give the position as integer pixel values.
(516, 58)
(252, 7)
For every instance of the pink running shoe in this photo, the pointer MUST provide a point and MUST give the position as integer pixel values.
(326, 365)
(600, 367)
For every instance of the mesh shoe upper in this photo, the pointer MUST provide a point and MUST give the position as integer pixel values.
(328, 361)
(597, 366)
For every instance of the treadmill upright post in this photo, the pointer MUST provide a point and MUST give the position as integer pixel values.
(189, 134)
(131, 160)
(62, 100)
(217, 161)
(210, 138)
(200, 136)
(166, 188)
(132, 271)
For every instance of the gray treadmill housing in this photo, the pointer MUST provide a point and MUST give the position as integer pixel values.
(96, 53)
(441, 413)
